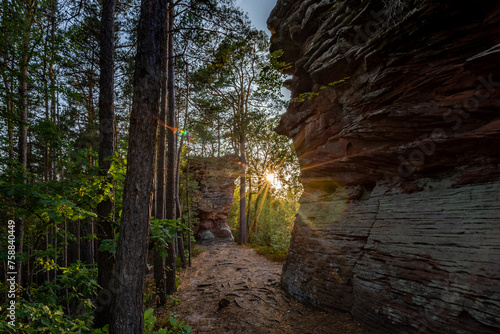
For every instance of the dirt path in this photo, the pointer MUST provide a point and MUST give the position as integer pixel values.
(230, 289)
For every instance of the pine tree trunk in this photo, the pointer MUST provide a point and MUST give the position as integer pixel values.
(51, 89)
(132, 248)
(105, 209)
(182, 250)
(243, 219)
(9, 103)
(171, 163)
(187, 172)
(249, 206)
(159, 260)
(78, 242)
(180, 239)
(23, 115)
(188, 211)
(23, 152)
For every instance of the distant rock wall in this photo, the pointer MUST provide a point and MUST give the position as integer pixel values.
(395, 116)
(214, 199)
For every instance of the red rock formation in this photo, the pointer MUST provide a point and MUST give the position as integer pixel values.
(395, 116)
(215, 177)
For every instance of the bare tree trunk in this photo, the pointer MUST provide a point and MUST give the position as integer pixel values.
(65, 245)
(249, 206)
(180, 239)
(22, 148)
(182, 250)
(186, 117)
(243, 219)
(55, 243)
(23, 115)
(132, 248)
(159, 260)
(9, 103)
(78, 242)
(10, 127)
(52, 78)
(47, 114)
(171, 163)
(105, 209)
(188, 211)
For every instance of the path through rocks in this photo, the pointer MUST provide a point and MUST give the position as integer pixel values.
(231, 289)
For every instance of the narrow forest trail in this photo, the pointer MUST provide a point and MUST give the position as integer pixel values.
(231, 289)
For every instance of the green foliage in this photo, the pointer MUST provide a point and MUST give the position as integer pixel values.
(172, 325)
(41, 317)
(271, 233)
(274, 226)
(63, 304)
(276, 63)
(309, 95)
(109, 245)
(81, 282)
(273, 204)
(58, 192)
(53, 201)
(60, 306)
(164, 231)
(93, 190)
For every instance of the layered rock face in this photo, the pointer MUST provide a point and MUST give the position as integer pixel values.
(395, 116)
(214, 199)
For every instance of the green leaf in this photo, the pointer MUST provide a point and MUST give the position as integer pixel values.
(148, 313)
(173, 322)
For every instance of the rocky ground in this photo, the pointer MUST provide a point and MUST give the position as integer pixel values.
(231, 289)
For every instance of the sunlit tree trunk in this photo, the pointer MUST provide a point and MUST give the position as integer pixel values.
(249, 206)
(243, 219)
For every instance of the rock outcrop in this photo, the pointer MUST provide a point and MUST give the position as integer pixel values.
(214, 199)
(395, 116)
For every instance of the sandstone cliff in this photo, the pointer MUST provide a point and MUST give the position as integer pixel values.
(395, 116)
(214, 199)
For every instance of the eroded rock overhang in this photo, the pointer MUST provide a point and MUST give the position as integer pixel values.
(395, 116)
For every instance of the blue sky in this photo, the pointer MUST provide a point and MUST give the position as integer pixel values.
(258, 11)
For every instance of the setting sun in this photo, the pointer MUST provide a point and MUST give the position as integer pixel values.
(270, 177)
(273, 180)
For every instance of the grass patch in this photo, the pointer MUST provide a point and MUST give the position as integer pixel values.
(195, 250)
(270, 253)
